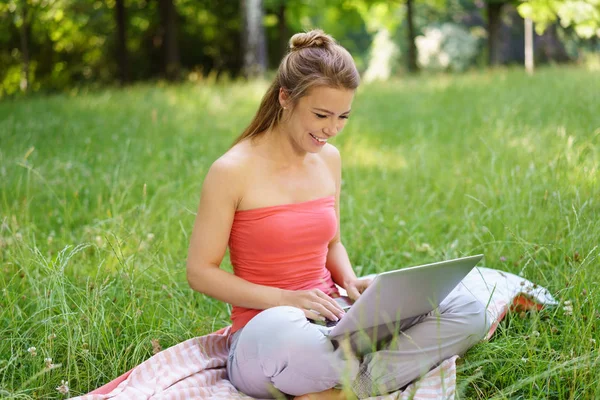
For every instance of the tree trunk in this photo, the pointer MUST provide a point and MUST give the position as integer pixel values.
(494, 11)
(253, 39)
(412, 48)
(284, 34)
(170, 44)
(529, 46)
(122, 56)
(25, 30)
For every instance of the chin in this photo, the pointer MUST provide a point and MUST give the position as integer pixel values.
(314, 150)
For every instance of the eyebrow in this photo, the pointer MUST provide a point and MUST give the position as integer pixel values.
(329, 112)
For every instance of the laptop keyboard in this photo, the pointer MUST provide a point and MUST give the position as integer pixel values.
(328, 323)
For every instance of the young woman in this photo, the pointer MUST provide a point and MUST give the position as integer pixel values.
(274, 199)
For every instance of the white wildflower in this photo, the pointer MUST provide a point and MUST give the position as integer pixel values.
(32, 351)
(64, 387)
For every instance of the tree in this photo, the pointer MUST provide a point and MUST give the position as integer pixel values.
(582, 15)
(253, 39)
(494, 23)
(278, 8)
(412, 48)
(170, 44)
(122, 56)
(381, 19)
(25, 34)
(529, 45)
(411, 32)
(342, 19)
(284, 33)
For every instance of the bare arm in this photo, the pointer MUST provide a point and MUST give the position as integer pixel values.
(208, 243)
(338, 262)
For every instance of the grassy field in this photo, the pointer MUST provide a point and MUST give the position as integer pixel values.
(98, 193)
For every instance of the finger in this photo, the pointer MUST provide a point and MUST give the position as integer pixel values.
(364, 284)
(313, 304)
(324, 311)
(331, 304)
(313, 315)
(353, 292)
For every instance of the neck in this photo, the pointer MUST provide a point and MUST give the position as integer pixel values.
(280, 148)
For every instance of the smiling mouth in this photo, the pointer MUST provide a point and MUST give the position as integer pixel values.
(317, 138)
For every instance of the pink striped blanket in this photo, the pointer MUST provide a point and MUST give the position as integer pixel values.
(195, 369)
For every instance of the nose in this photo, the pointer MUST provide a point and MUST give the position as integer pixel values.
(332, 128)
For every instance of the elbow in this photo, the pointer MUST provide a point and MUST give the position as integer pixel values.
(194, 277)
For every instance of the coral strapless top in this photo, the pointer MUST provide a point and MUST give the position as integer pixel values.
(283, 246)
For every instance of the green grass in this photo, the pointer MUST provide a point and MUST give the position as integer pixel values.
(99, 191)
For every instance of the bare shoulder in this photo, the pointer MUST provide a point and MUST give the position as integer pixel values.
(331, 155)
(229, 165)
(227, 175)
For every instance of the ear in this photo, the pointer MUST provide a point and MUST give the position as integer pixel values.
(283, 98)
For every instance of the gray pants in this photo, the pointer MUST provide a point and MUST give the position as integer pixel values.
(280, 350)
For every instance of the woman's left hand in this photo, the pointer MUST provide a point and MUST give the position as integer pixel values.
(356, 287)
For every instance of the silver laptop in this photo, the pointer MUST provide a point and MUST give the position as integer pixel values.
(403, 293)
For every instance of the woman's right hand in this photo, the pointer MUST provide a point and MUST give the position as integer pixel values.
(314, 302)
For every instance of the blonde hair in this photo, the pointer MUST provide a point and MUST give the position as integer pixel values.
(314, 59)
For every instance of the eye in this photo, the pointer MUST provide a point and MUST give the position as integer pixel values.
(345, 116)
(321, 116)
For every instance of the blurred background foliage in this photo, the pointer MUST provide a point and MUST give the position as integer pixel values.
(50, 45)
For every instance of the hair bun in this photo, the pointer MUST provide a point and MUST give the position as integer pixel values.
(314, 38)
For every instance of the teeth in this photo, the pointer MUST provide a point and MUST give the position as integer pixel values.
(319, 139)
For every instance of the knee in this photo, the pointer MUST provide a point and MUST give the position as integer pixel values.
(475, 320)
(470, 316)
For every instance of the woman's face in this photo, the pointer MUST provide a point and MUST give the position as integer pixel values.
(318, 116)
